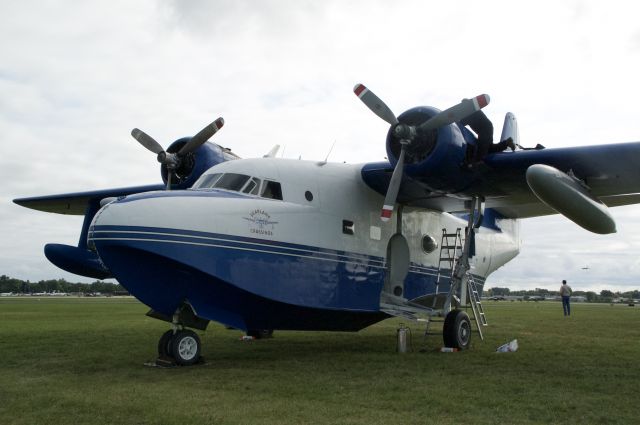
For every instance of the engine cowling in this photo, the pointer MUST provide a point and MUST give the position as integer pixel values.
(436, 157)
(193, 164)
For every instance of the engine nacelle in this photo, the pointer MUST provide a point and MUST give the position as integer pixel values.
(435, 158)
(193, 164)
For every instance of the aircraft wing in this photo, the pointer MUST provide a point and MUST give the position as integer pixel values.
(609, 173)
(77, 203)
(602, 175)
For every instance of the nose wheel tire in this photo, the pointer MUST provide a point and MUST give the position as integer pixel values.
(457, 330)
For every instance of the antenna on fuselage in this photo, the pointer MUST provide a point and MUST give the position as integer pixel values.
(327, 157)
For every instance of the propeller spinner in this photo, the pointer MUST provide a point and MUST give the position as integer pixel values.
(407, 133)
(173, 160)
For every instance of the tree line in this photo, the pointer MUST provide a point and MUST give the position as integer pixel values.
(17, 286)
(604, 296)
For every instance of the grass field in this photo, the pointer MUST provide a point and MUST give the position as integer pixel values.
(80, 361)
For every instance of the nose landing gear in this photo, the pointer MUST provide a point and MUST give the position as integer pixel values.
(180, 347)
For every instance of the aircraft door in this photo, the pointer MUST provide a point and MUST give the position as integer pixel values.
(397, 265)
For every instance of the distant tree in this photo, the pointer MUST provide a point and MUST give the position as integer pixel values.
(499, 291)
(591, 296)
(605, 293)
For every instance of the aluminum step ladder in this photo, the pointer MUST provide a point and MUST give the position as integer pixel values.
(450, 250)
(476, 305)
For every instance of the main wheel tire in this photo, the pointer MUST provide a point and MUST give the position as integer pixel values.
(164, 345)
(260, 333)
(457, 330)
(185, 347)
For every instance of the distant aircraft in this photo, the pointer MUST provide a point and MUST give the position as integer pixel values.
(585, 268)
(536, 298)
(267, 243)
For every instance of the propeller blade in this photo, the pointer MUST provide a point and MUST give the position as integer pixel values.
(169, 173)
(147, 141)
(204, 135)
(456, 113)
(394, 188)
(374, 103)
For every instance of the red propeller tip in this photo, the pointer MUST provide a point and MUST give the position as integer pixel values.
(359, 90)
(386, 212)
(482, 100)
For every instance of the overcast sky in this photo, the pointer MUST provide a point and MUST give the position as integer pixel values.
(77, 76)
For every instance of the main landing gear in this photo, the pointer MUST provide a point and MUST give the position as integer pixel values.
(456, 331)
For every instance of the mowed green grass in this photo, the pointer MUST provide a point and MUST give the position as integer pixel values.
(80, 361)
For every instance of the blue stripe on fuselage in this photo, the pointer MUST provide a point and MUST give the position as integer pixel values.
(301, 275)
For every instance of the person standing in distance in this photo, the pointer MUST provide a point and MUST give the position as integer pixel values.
(565, 293)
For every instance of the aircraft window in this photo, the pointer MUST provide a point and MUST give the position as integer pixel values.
(252, 187)
(206, 181)
(429, 244)
(271, 190)
(231, 181)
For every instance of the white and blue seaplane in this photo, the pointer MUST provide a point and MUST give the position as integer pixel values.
(271, 243)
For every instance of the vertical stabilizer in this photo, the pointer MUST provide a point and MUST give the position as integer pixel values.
(510, 129)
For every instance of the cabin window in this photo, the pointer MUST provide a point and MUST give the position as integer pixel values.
(429, 244)
(271, 189)
(308, 196)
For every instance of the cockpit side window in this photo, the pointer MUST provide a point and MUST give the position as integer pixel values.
(252, 187)
(271, 189)
(232, 181)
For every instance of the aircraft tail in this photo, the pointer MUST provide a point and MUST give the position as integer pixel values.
(510, 129)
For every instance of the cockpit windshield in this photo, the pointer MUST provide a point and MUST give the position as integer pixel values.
(232, 181)
(240, 183)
